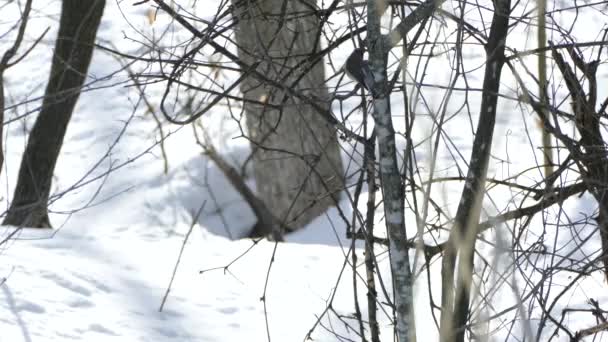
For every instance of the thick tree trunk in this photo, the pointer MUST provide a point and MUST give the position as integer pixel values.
(71, 59)
(297, 165)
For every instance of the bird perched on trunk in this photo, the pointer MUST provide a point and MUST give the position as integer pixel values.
(357, 69)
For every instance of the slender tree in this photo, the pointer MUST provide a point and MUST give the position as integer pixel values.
(456, 299)
(73, 51)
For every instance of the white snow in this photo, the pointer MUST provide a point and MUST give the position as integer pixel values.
(101, 274)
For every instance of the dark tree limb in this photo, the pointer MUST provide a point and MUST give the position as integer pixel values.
(581, 334)
(267, 224)
(455, 300)
(372, 295)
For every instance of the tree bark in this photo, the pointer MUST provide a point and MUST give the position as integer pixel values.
(455, 299)
(392, 186)
(73, 51)
(296, 162)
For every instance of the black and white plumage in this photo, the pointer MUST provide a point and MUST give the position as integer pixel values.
(357, 69)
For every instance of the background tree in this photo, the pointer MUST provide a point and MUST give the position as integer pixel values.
(73, 51)
(296, 156)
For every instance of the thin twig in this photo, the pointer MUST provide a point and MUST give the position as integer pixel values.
(179, 257)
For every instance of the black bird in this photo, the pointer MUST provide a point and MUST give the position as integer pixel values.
(357, 69)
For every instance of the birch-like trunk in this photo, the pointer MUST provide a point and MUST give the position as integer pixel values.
(392, 187)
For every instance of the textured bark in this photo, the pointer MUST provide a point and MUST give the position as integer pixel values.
(297, 165)
(455, 302)
(392, 187)
(71, 59)
(372, 295)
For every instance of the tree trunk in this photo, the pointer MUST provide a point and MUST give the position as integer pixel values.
(296, 162)
(71, 59)
(393, 192)
(455, 300)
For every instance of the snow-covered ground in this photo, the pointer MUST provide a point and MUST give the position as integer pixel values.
(103, 272)
(98, 285)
